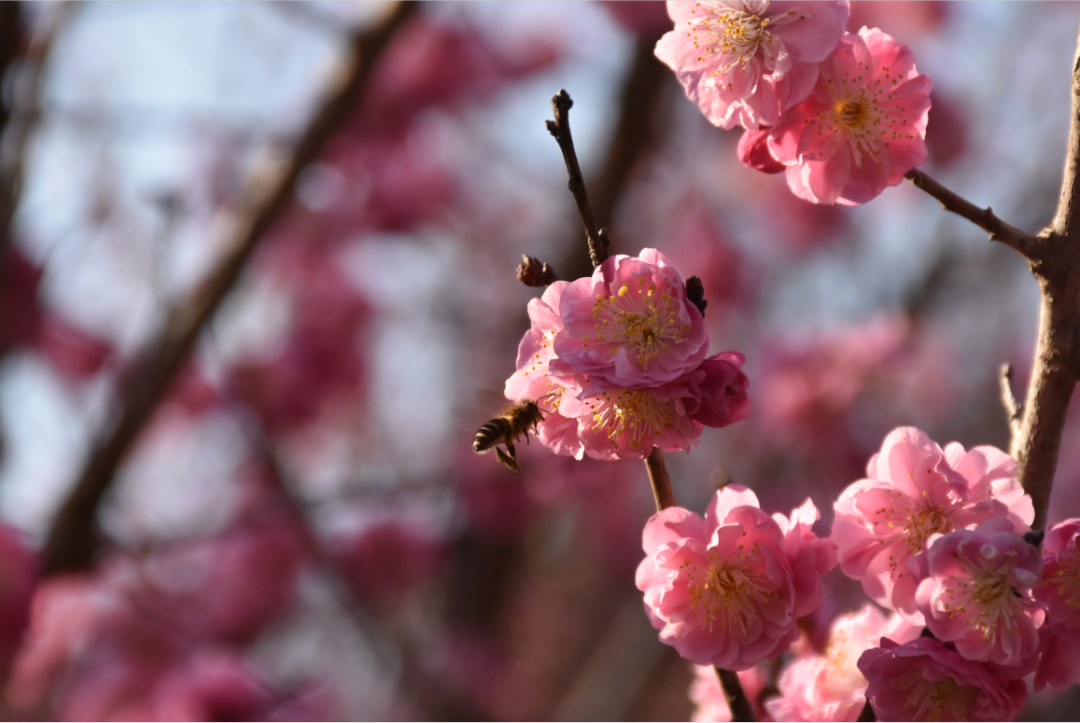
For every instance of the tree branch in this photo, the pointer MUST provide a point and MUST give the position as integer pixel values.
(738, 703)
(1013, 411)
(1055, 262)
(71, 542)
(659, 479)
(560, 128)
(984, 218)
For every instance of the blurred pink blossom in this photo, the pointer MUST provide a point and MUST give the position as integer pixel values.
(1059, 592)
(925, 680)
(912, 493)
(631, 323)
(746, 63)
(722, 590)
(830, 687)
(863, 127)
(18, 572)
(383, 561)
(977, 593)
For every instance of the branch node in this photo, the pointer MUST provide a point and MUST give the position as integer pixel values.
(533, 273)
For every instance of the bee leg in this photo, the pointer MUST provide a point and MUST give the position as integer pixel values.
(508, 459)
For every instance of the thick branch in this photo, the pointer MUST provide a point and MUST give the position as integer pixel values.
(984, 218)
(738, 703)
(71, 541)
(560, 128)
(659, 479)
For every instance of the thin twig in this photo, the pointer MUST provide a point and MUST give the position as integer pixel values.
(560, 128)
(1013, 411)
(984, 218)
(738, 703)
(71, 543)
(659, 479)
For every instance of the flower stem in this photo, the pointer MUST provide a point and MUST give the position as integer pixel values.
(741, 709)
(660, 480)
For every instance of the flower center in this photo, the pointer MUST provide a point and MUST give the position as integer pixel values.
(858, 117)
(728, 595)
(640, 320)
(1067, 579)
(925, 522)
(637, 414)
(935, 699)
(841, 656)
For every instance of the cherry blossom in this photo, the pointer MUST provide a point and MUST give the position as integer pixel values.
(722, 590)
(862, 128)
(925, 680)
(830, 687)
(977, 594)
(745, 63)
(912, 493)
(631, 323)
(753, 152)
(1059, 591)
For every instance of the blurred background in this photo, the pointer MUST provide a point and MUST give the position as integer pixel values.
(295, 525)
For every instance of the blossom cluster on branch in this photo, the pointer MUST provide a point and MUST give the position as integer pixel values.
(842, 114)
(617, 361)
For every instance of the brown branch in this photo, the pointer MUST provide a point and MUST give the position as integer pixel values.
(71, 542)
(659, 479)
(1013, 411)
(560, 128)
(867, 715)
(1055, 262)
(984, 218)
(738, 703)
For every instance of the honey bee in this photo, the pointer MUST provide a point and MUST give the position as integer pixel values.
(506, 428)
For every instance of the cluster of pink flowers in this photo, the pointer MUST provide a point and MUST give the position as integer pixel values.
(940, 536)
(842, 114)
(727, 590)
(617, 362)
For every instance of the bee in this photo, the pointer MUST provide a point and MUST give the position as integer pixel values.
(506, 428)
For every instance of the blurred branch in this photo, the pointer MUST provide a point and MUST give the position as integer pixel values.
(738, 703)
(1014, 412)
(71, 542)
(984, 218)
(560, 129)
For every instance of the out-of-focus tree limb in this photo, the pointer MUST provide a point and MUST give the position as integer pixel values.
(72, 539)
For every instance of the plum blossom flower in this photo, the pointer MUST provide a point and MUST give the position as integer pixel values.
(631, 323)
(977, 594)
(862, 128)
(589, 414)
(911, 493)
(722, 590)
(753, 151)
(746, 62)
(830, 687)
(925, 680)
(1059, 592)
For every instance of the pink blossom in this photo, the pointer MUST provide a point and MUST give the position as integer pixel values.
(977, 593)
(925, 680)
(862, 128)
(830, 687)
(708, 696)
(722, 590)
(911, 493)
(1059, 661)
(753, 152)
(18, 572)
(748, 62)
(1059, 590)
(384, 561)
(631, 324)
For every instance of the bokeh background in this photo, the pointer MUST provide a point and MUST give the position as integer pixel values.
(301, 529)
